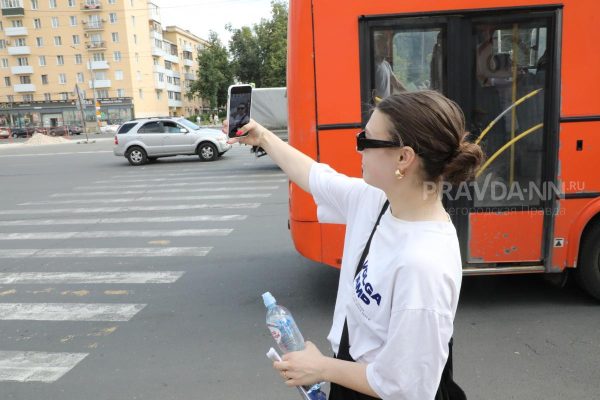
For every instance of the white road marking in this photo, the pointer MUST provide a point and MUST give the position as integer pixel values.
(34, 366)
(97, 312)
(54, 154)
(151, 198)
(129, 220)
(176, 184)
(96, 210)
(114, 234)
(206, 178)
(201, 190)
(69, 278)
(106, 252)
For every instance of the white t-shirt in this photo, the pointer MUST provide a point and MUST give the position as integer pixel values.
(400, 309)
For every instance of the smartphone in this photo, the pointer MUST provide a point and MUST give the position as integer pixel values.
(239, 101)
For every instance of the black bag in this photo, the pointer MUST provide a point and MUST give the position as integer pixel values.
(448, 389)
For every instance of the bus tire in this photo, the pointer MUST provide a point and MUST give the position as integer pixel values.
(588, 266)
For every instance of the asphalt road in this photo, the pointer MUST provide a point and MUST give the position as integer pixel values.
(152, 288)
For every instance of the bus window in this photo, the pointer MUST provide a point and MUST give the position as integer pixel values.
(508, 113)
(406, 59)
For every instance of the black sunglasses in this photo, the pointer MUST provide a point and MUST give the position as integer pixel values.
(363, 143)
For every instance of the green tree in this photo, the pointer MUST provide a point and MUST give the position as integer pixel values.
(259, 54)
(214, 72)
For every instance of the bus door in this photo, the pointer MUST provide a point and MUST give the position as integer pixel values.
(497, 65)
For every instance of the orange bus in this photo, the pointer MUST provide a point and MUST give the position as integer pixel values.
(526, 74)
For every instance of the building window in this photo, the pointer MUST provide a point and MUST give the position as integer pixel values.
(141, 93)
(118, 75)
(117, 56)
(44, 79)
(60, 60)
(55, 22)
(20, 42)
(7, 81)
(102, 93)
(22, 61)
(10, 98)
(76, 39)
(57, 41)
(25, 80)
(17, 23)
(133, 20)
(137, 58)
(80, 77)
(37, 23)
(78, 59)
(71, 3)
(112, 17)
(73, 20)
(62, 78)
(52, 3)
(64, 96)
(120, 92)
(42, 60)
(139, 75)
(39, 41)
(134, 38)
(98, 57)
(47, 97)
(34, 4)
(2, 44)
(161, 77)
(5, 63)
(115, 37)
(158, 93)
(27, 98)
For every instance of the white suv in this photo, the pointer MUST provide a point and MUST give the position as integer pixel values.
(147, 139)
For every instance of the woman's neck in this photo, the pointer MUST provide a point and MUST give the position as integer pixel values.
(414, 204)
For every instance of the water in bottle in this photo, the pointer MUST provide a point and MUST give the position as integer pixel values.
(282, 326)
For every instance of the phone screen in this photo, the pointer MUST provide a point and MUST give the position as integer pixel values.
(240, 100)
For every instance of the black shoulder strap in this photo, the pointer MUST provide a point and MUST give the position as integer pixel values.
(344, 349)
(368, 245)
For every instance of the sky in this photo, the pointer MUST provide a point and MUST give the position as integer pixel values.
(201, 16)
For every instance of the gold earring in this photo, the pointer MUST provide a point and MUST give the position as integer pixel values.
(399, 174)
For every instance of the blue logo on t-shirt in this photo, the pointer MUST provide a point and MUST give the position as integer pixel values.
(364, 290)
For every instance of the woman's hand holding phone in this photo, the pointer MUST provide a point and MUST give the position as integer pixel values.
(250, 134)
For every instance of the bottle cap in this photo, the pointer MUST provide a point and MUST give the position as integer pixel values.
(268, 299)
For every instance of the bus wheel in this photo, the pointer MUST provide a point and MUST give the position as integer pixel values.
(588, 266)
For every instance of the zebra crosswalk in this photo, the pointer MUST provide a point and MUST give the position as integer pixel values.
(159, 216)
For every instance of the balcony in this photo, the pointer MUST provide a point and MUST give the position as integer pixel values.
(173, 88)
(98, 65)
(13, 12)
(100, 84)
(176, 74)
(94, 46)
(15, 31)
(187, 47)
(172, 58)
(188, 63)
(19, 50)
(157, 51)
(159, 85)
(93, 26)
(156, 35)
(24, 88)
(22, 70)
(91, 6)
(175, 103)
(189, 76)
(159, 68)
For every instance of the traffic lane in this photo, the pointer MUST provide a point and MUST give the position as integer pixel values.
(519, 337)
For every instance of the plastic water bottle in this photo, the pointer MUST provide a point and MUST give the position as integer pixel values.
(282, 326)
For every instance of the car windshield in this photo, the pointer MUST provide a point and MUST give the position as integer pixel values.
(188, 124)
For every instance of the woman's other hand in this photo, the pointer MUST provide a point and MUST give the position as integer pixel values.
(303, 367)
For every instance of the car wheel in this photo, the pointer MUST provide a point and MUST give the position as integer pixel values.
(207, 152)
(14, 135)
(137, 156)
(588, 265)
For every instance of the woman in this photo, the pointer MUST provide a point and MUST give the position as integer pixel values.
(401, 269)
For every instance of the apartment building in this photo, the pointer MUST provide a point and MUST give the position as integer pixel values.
(113, 50)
